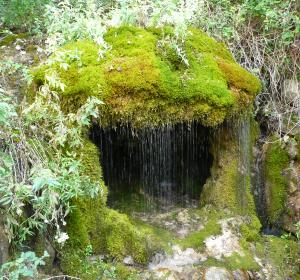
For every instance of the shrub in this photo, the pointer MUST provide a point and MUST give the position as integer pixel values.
(22, 15)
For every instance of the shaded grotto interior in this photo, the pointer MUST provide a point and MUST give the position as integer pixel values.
(165, 166)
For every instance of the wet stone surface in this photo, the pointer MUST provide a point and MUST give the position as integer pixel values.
(178, 221)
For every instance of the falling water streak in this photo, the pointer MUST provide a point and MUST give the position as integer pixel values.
(170, 163)
(259, 183)
(243, 133)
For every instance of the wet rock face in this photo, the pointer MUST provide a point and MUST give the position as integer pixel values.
(283, 183)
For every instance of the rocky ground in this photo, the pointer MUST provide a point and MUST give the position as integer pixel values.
(181, 262)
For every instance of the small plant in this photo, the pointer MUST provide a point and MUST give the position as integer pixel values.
(39, 181)
(79, 20)
(88, 250)
(24, 266)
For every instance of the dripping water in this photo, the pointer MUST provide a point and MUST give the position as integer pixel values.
(259, 184)
(244, 166)
(168, 164)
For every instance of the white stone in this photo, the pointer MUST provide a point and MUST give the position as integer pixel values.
(128, 260)
(223, 245)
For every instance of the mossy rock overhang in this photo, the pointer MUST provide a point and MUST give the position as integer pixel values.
(143, 81)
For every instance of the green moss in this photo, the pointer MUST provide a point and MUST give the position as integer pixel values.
(89, 157)
(236, 261)
(142, 80)
(251, 231)
(221, 189)
(108, 231)
(83, 221)
(276, 162)
(120, 238)
(91, 223)
(244, 261)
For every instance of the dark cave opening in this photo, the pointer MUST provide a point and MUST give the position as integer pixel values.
(168, 165)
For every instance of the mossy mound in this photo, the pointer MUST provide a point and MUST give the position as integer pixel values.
(143, 80)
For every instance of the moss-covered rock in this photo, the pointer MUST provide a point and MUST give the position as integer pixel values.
(143, 80)
(229, 186)
(276, 163)
(8, 39)
(91, 223)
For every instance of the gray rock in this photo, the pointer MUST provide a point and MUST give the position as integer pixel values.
(183, 217)
(217, 273)
(240, 275)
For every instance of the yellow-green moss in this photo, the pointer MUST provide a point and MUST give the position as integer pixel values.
(89, 156)
(276, 161)
(120, 238)
(142, 80)
(251, 231)
(238, 78)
